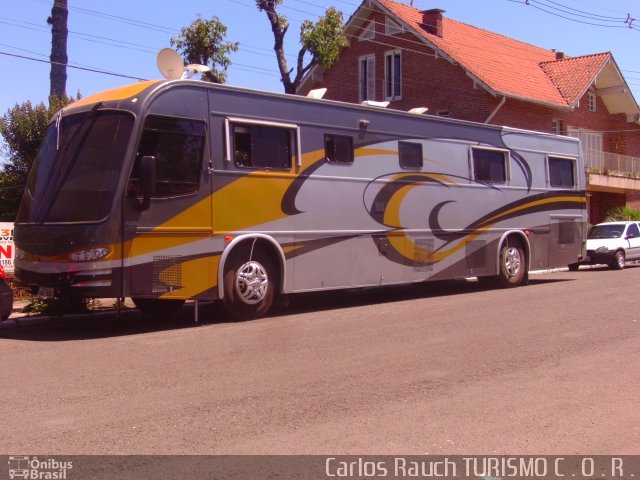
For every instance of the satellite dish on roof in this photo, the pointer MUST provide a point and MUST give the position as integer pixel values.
(170, 64)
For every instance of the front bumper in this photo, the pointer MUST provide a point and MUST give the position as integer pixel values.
(598, 258)
(89, 283)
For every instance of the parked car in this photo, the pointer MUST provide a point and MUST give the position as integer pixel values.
(6, 296)
(612, 243)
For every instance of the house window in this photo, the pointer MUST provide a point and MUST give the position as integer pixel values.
(393, 75)
(367, 75)
(591, 143)
(368, 32)
(561, 172)
(391, 27)
(591, 98)
(556, 126)
(338, 149)
(262, 146)
(489, 165)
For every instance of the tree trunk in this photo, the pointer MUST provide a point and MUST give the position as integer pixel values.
(59, 32)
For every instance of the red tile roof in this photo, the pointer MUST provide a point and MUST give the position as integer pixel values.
(507, 66)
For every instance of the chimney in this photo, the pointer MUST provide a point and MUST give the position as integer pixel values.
(559, 55)
(432, 21)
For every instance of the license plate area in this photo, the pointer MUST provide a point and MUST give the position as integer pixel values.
(46, 292)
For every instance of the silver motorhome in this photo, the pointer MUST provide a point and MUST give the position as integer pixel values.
(171, 190)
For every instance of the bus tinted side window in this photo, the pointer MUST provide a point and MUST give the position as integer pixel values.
(338, 148)
(410, 154)
(561, 172)
(177, 145)
(489, 166)
(262, 146)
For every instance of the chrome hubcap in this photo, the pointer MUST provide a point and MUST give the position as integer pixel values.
(251, 283)
(512, 261)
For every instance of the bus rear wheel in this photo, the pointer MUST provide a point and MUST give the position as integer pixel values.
(249, 284)
(158, 306)
(513, 265)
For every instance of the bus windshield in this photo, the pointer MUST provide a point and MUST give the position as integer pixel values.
(76, 171)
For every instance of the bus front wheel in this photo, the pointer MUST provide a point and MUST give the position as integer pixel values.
(512, 264)
(249, 284)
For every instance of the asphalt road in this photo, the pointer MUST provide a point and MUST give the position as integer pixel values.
(440, 368)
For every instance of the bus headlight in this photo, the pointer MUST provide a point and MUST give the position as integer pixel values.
(89, 254)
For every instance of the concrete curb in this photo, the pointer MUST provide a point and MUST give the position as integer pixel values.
(26, 321)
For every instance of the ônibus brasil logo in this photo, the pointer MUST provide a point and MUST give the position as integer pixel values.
(36, 469)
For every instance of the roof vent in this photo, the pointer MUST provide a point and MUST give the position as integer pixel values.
(372, 103)
(432, 21)
(559, 55)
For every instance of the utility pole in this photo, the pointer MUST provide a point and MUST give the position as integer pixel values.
(59, 60)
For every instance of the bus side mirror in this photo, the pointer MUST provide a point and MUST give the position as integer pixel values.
(147, 176)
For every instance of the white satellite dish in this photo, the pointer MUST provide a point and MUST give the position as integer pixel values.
(170, 64)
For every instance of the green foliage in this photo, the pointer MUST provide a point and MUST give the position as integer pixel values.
(23, 128)
(202, 43)
(59, 306)
(323, 40)
(625, 213)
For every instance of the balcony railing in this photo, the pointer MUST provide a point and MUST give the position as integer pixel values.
(607, 163)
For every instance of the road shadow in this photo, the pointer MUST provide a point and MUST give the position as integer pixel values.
(133, 322)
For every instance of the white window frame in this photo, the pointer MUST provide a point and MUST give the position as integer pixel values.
(368, 32)
(574, 160)
(370, 65)
(389, 75)
(297, 144)
(507, 162)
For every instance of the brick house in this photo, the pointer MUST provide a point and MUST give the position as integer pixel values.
(414, 58)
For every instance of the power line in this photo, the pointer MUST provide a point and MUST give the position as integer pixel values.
(248, 48)
(95, 70)
(626, 22)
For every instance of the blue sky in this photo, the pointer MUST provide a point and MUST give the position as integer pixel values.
(124, 36)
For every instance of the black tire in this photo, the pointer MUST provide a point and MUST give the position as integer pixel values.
(158, 306)
(513, 264)
(573, 267)
(249, 284)
(618, 261)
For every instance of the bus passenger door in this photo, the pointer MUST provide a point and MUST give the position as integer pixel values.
(167, 212)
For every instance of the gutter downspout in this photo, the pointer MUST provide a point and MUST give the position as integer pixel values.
(495, 110)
